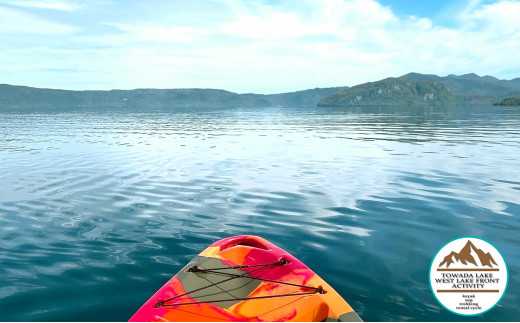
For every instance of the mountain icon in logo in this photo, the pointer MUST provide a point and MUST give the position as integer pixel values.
(464, 256)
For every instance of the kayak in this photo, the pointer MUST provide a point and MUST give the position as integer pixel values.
(245, 278)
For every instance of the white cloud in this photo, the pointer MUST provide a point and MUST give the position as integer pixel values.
(286, 46)
(275, 26)
(49, 4)
(18, 22)
(502, 17)
(158, 33)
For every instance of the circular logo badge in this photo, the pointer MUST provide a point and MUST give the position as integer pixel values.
(468, 276)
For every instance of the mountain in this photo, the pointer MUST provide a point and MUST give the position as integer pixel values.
(470, 85)
(464, 256)
(392, 92)
(22, 97)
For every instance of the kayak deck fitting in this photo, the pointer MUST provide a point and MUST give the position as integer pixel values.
(245, 278)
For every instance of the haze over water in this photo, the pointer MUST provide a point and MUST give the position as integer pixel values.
(99, 210)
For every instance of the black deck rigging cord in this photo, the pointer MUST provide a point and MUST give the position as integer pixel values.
(195, 269)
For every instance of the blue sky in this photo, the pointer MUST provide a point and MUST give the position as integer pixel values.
(251, 46)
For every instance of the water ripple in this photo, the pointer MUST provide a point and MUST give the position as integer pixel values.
(97, 210)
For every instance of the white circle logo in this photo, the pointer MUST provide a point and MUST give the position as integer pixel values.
(468, 276)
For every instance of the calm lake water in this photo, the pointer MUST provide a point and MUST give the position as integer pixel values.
(99, 210)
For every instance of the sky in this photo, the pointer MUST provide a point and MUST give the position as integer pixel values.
(259, 46)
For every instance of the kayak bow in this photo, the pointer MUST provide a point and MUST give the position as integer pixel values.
(245, 278)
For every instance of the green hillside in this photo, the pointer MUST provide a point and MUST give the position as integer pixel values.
(512, 101)
(470, 85)
(393, 92)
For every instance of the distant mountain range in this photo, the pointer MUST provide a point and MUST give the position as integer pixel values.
(471, 84)
(24, 98)
(412, 89)
(416, 89)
